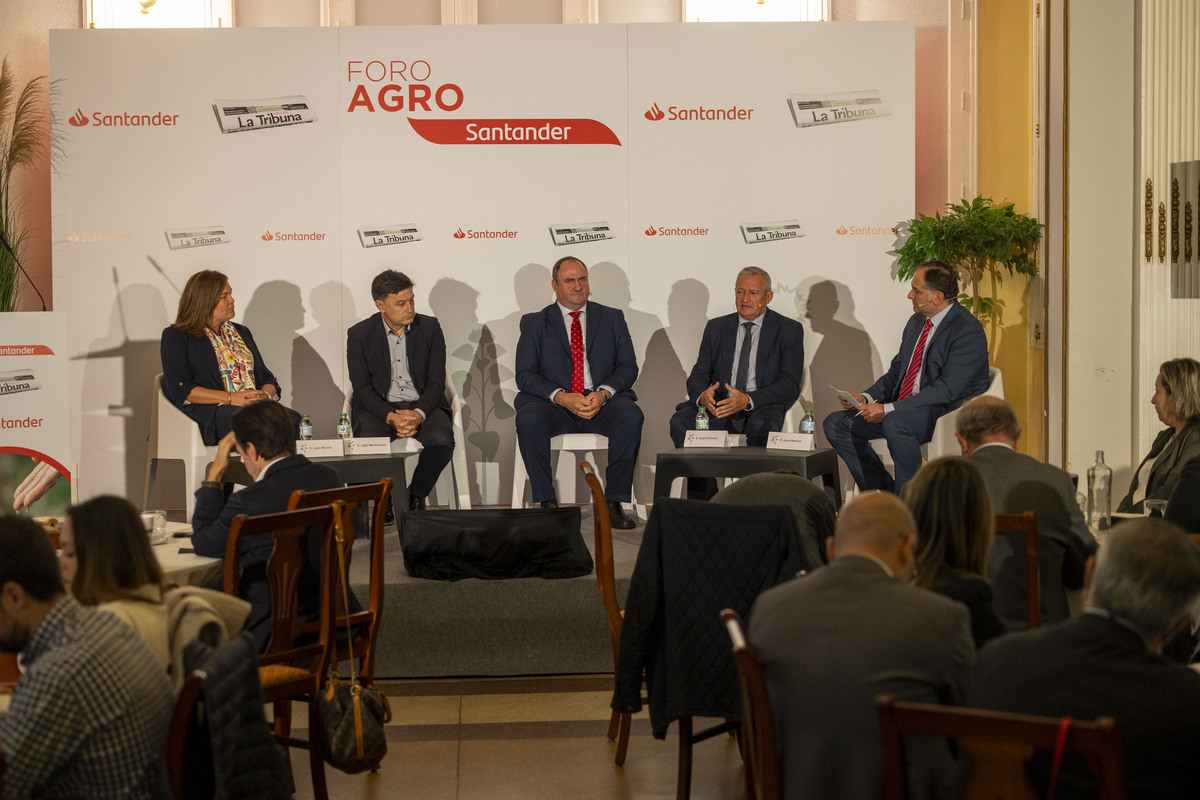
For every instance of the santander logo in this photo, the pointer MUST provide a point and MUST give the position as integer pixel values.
(74, 237)
(701, 113)
(662, 231)
(78, 119)
(267, 237)
(841, 230)
(484, 234)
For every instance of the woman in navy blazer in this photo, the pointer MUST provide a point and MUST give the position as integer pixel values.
(192, 377)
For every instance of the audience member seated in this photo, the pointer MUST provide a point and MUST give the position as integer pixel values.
(89, 716)
(107, 562)
(211, 365)
(262, 434)
(1176, 398)
(831, 640)
(1184, 506)
(1106, 663)
(955, 527)
(987, 430)
(815, 515)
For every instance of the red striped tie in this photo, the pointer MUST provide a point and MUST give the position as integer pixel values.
(576, 353)
(914, 368)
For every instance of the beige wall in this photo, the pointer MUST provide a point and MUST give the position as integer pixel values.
(1098, 367)
(25, 40)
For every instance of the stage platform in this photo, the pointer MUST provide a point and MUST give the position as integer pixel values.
(472, 627)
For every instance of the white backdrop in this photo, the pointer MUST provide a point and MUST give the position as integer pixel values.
(673, 193)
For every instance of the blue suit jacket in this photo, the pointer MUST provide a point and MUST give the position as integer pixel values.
(213, 517)
(369, 361)
(544, 353)
(954, 370)
(190, 361)
(778, 366)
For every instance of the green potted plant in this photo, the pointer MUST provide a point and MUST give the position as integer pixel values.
(23, 141)
(982, 240)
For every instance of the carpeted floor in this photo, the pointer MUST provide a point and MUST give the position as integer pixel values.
(472, 627)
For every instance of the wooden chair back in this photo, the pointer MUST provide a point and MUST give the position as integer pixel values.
(999, 744)
(605, 574)
(188, 744)
(366, 622)
(286, 562)
(1025, 526)
(763, 780)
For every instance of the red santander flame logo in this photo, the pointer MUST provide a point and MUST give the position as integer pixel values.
(74, 237)
(459, 234)
(655, 113)
(841, 230)
(267, 237)
(651, 231)
(78, 119)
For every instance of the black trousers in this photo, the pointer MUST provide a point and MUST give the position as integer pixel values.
(435, 434)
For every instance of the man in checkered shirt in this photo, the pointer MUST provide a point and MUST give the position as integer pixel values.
(89, 715)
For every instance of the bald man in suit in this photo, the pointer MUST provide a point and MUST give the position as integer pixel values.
(831, 640)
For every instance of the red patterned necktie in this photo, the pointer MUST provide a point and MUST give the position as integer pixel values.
(910, 377)
(576, 353)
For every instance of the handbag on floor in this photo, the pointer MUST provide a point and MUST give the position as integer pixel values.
(352, 716)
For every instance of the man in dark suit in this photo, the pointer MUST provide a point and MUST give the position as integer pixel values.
(942, 363)
(749, 369)
(987, 430)
(397, 365)
(831, 640)
(575, 366)
(263, 436)
(1107, 662)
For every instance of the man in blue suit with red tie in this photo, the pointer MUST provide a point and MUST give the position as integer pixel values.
(942, 363)
(575, 366)
(749, 369)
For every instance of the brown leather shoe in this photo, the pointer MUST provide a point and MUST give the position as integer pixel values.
(617, 517)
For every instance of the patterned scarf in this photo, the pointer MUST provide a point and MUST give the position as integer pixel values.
(234, 359)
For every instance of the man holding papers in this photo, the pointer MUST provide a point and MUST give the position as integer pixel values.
(942, 363)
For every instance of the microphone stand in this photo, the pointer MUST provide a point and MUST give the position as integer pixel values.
(20, 266)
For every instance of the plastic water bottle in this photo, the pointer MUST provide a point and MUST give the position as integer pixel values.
(343, 426)
(702, 419)
(306, 429)
(1099, 499)
(808, 424)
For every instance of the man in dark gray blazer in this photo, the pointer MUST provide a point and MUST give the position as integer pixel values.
(264, 437)
(831, 640)
(942, 363)
(397, 364)
(987, 430)
(1107, 662)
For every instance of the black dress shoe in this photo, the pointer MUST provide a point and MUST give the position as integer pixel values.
(416, 503)
(617, 517)
(549, 504)
(389, 516)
